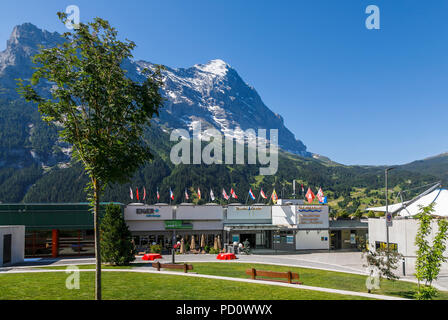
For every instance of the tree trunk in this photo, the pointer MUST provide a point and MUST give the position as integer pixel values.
(97, 239)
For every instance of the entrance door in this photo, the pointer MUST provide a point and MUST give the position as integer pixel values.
(6, 248)
(250, 237)
(336, 242)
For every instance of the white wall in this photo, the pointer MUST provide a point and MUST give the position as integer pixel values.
(284, 215)
(403, 233)
(207, 225)
(135, 225)
(17, 243)
(191, 212)
(312, 240)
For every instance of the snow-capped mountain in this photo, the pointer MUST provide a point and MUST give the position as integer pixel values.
(212, 93)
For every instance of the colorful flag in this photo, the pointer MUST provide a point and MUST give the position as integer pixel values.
(224, 194)
(144, 193)
(274, 197)
(186, 194)
(232, 192)
(130, 193)
(262, 194)
(199, 194)
(324, 200)
(136, 195)
(251, 194)
(171, 194)
(303, 189)
(212, 196)
(320, 195)
(158, 195)
(310, 195)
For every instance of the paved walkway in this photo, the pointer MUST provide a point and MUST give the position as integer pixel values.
(349, 262)
(148, 270)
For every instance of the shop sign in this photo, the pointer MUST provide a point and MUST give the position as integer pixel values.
(312, 216)
(276, 238)
(149, 212)
(290, 239)
(178, 224)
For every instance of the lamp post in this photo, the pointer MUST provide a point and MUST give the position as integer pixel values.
(388, 218)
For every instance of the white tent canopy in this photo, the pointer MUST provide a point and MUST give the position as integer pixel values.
(439, 197)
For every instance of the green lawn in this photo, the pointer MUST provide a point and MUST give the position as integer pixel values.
(138, 286)
(311, 277)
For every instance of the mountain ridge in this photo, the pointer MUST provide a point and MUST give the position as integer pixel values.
(35, 166)
(212, 93)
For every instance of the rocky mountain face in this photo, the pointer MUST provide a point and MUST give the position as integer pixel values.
(16, 62)
(212, 93)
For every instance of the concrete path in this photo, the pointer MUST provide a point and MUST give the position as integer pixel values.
(349, 262)
(148, 270)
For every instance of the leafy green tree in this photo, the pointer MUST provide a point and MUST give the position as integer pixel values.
(343, 214)
(101, 111)
(429, 258)
(357, 214)
(117, 247)
(383, 260)
(371, 214)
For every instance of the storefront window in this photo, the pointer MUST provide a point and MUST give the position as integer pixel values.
(38, 243)
(76, 242)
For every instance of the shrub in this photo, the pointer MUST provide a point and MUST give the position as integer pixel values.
(213, 251)
(156, 248)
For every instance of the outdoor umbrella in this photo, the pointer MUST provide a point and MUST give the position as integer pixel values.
(202, 241)
(182, 246)
(193, 244)
(219, 242)
(215, 245)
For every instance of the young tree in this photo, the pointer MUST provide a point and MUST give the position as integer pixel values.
(429, 258)
(357, 214)
(383, 261)
(116, 239)
(102, 113)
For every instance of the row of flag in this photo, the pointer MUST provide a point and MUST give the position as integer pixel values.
(310, 196)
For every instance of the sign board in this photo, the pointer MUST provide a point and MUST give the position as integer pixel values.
(178, 224)
(148, 212)
(235, 238)
(289, 239)
(312, 217)
(248, 212)
(389, 219)
(276, 238)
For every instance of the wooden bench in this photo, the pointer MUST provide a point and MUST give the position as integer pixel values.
(184, 266)
(289, 276)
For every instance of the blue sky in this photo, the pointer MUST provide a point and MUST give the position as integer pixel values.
(355, 95)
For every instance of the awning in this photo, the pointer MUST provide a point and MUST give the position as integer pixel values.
(254, 227)
(439, 197)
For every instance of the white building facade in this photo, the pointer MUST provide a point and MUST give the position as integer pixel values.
(288, 227)
(12, 245)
